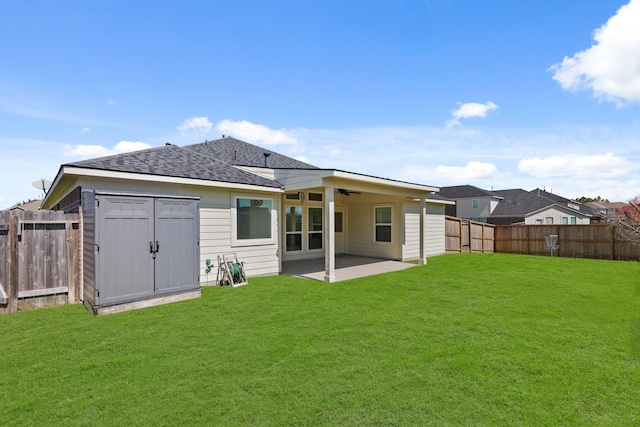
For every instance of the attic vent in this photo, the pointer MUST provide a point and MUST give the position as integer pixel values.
(266, 159)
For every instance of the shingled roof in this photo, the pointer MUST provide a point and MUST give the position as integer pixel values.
(463, 191)
(239, 153)
(518, 202)
(211, 161)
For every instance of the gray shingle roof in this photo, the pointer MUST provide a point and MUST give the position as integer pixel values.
(240, 153)
(518, 202)
(183, 162)
(463, 191)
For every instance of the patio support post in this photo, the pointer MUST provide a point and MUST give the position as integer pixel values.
(423, 216)
(329, 236)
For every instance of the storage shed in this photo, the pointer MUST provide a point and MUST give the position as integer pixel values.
(138, 247)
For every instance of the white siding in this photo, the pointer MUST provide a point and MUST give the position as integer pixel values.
(464, 207)
(434, 230)
(361, 231)
(411, 244)
(557, 214)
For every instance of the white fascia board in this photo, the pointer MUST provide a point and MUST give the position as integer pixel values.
(381, 181)
(560, 208)
(167, 179)
(440, 202)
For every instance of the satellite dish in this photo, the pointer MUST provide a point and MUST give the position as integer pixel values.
(42, 184)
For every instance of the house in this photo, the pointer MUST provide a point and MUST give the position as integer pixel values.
(471, 202)
(265, 207)
(603, 211)
(515, 206)
(32, 205)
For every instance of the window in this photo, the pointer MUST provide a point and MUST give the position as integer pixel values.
(292, 196)
(573, 220)
(315, 197)
(548, 220)
(293, 228)
(315, 228)
(338, 222)
(565, 220)
(252, 221)
(475, 204)
(383, 224)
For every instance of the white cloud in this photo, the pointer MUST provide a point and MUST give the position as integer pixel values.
(127, 146)
(610, 68)
(471, 172)
(469, 109)
(255, 133)
(111, 102)
(86, 129)
(302, 159)
(597, 166)
(196, 124)
(92, 151)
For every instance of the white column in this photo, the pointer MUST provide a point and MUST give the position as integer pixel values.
(329, 236)
(423, 216)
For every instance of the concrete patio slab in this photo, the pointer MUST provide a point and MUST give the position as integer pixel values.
(347, 267)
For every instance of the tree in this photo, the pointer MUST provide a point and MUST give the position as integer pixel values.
(584, 199)
(626, 222)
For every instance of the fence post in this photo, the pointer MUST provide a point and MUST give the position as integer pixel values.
(13, 264)
(613, 242)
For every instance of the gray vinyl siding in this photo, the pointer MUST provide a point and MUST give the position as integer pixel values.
(88, 240)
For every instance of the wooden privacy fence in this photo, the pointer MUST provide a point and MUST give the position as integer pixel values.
(39, 259)
(579, 241)
(463, 235)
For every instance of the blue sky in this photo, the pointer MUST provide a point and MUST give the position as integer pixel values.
(497, 93)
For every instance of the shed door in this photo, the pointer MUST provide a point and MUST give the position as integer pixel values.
(176, 232)
(123, 256)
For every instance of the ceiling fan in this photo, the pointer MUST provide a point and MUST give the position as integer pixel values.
(347, 192)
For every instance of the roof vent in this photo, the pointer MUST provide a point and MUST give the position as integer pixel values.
(266, 159)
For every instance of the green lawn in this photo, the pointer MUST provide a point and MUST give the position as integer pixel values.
(470, 339)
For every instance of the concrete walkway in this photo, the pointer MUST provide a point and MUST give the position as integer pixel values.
(347, 267)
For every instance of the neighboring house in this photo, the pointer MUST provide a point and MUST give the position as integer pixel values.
(515, 206)
(33, 205)
(603, 211)
(265, 207)
(471, 202)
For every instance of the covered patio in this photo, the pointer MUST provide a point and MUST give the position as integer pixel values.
(346, 267)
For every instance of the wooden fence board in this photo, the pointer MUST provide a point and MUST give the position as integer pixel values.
(596, 241)
(38, 259)
(462, 235)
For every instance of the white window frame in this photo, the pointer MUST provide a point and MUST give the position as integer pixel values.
(375, 224)
(234, 222)
(288, 233)
(310, 232)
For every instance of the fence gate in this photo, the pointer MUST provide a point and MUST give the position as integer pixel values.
(39, 259)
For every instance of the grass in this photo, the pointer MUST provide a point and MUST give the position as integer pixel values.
(470, 339)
